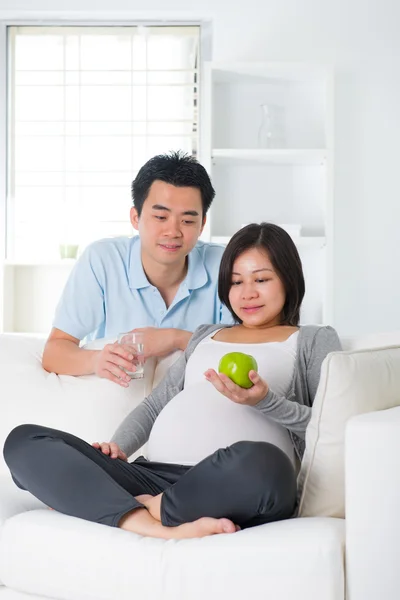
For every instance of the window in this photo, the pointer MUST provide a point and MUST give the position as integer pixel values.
(87, 107)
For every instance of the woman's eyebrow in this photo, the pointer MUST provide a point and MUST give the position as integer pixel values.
(263, 269)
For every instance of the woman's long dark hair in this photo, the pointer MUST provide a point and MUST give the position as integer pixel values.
(285, 259)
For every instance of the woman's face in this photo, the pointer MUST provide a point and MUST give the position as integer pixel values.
(257, 295)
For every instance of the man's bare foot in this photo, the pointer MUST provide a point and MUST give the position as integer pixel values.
(141, 522)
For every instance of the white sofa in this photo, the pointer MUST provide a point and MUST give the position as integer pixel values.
(44, 554)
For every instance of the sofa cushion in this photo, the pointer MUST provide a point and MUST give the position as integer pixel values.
(352, 383)
(87, 406)
(298, 558)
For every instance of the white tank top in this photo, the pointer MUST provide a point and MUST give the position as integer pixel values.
(199, 419)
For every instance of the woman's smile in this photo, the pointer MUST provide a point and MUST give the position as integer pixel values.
(251, 309)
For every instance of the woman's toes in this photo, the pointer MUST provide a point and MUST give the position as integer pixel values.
(227, 526)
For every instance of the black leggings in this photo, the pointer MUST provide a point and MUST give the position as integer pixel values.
(249, 482)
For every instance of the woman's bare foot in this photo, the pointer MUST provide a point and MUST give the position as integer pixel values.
(144, 498)
(205, 526)
(140, 521)
(153, 505)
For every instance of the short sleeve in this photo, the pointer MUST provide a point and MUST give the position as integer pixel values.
(80, 310)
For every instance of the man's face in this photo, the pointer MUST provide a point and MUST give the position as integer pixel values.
(170, 223)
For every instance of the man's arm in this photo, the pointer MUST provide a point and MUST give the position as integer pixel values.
(160, 342)
(182, 338)
(80, 311)
(63, 356)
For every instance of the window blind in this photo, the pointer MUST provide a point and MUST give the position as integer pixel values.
(87, 107)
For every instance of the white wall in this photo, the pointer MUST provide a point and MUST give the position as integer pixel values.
(363, 44)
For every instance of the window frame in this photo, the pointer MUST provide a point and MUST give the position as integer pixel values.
(6, 218)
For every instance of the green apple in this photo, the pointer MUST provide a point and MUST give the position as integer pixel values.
(237, 365)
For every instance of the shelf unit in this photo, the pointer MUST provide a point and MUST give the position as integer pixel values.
(291, 180)
(30, 290)
(277, 156)
(301, 241)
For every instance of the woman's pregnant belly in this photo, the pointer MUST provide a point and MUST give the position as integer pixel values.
(199, 420)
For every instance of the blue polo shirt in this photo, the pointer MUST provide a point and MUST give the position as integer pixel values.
(108, 292)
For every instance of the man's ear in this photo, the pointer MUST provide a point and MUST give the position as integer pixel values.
(134, 215)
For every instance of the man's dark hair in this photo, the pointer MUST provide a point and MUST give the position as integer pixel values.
(176, 168)
(285, 259)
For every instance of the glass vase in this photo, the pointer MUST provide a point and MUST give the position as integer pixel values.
(264, 139)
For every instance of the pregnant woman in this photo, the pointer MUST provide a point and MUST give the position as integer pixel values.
(220, 457)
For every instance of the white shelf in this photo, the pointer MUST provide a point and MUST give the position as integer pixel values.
(274, 156)
(259, 72)
(41, 335)
(32, 289)
(65, 262)
(301, 242)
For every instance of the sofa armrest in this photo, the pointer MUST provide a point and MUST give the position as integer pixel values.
(14, 501)
(372, 492)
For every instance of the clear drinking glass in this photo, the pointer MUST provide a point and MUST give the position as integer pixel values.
(133, 342)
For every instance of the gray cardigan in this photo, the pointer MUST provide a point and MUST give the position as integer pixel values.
(293, 412)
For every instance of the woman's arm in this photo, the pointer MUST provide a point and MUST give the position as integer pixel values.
(286, 412)
(135, 429)
(294, 413)
(325, 341)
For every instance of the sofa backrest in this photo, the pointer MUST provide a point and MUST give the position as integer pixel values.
(86, 406)
(372, 340)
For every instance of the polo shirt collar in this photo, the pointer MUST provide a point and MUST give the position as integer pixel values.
(137, 276)
(196, 276)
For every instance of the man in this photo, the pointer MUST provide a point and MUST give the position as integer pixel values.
(163, 281)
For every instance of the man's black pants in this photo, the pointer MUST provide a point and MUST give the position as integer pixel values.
(249, 482)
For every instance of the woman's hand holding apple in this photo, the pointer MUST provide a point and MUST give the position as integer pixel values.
(234, 392)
